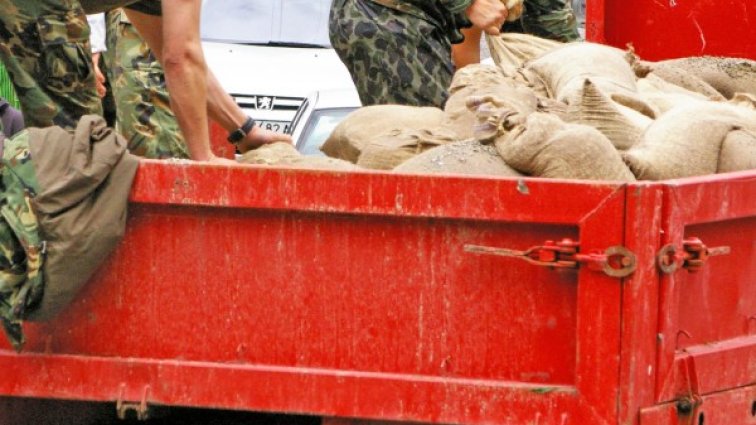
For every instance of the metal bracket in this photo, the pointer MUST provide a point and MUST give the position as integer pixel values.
(139, 408)
(615, 261)
(692, 257)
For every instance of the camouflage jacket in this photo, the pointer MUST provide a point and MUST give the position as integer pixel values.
(448, 15)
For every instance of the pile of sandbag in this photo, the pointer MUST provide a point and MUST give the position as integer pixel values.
(571, 111)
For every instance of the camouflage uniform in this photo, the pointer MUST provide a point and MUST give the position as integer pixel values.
(45, 47)
(22, 251)
(552, 19)
(143, 112)
(398, 51)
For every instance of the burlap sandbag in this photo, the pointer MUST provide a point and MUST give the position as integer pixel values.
(462, 120)
(564, 69)
(663, 95)
(738, 152)
(477, 75)
(744, 100)
(365, 124)
(386, 152)
(468, 157)
(285, 155)
(511, 50)
(687, 140)
(726, 75)
(621, 125)
(545, 146)
(688, 81)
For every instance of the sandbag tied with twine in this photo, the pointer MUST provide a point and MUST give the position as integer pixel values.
(365, 124)
(462, 108)
(564, 69)
(284, 154)
(545, 146)
(621, 125)
(468, 157)
(738, 152)
(725, 75)
(511, 51)
(687, 140)
(392, 149)
(493, 117)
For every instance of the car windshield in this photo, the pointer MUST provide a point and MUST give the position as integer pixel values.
(282, 22)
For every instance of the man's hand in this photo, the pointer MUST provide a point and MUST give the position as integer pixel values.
(259, 136)
(99, 76)
(488, 15)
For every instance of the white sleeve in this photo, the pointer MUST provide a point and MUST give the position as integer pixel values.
(97, 35)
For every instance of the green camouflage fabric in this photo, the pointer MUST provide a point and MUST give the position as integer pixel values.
(150, 7)
(393, 56)
(552, 19)
(7, 91)
(143, 112)
(45, 48)
(22, 251)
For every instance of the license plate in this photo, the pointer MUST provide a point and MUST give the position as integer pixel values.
(277, 126)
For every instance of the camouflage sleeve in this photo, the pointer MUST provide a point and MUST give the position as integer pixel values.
(456, 6)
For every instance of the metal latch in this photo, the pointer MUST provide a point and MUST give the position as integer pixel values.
(616, 261)
(692, 257)
(140, 408)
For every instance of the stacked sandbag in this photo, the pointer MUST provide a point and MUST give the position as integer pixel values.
(545, 146)
(468, 157)
(490, 82)
(397, 146)
(663, 95)
(738, 152)
(623, 126)
(564, 69)
(511, 50)
(365, 124)
(285, 154)
(688, 141)
(726, 76)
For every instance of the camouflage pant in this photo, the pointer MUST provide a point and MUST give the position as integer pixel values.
(393, 57)
(553, 19)
(143, 112)
(21, 247)
(45, 48)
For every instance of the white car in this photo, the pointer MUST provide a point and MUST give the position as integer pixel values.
(319, 115)
(270, 55)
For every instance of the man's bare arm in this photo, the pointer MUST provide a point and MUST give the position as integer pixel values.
(159, 35)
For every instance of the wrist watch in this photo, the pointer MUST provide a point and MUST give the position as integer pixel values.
(237, 135)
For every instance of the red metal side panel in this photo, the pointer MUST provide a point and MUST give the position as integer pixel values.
(707, 333)
(343, 295)
(661, 29)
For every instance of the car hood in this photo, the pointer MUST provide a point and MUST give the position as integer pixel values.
(276, 70)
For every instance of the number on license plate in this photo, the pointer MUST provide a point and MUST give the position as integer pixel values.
(277, 126)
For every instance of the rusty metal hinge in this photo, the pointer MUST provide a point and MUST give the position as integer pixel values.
(692, 257)
(616, 261)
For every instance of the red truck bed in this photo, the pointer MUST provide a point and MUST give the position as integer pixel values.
(354, 296)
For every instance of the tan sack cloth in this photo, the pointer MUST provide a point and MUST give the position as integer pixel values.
(468, 157)
(367, 123)
(726, 75)
(286, 155)
(511, 50)
(621, 125)
(564, 69)
(545, 146)
(687, 140)
(386, 152)
(462, 119)
(84, 179)
(738, 152)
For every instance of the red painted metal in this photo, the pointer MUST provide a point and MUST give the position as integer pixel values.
(737, 406)
(662, 29)
(351, 295)
(342, 295)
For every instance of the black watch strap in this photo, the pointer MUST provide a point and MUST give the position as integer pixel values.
(237, 135)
